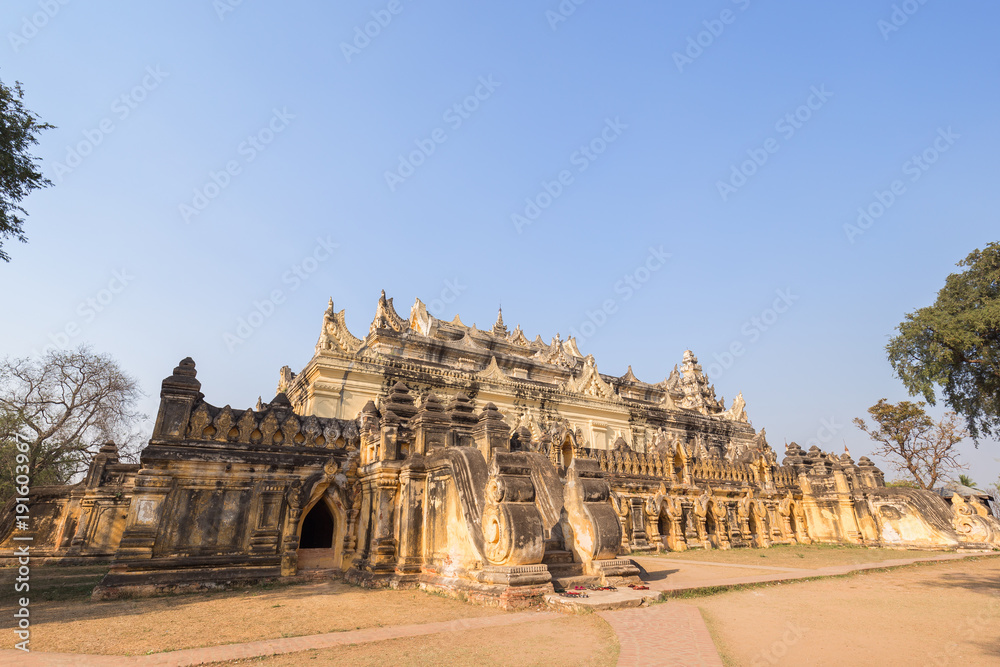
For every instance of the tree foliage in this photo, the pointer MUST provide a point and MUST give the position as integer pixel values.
(19, 174)
(955, 344)
(965, 480)
(912, 442)
(64, 405)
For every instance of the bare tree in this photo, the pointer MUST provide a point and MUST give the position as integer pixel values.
(64, 406)
(912, 442)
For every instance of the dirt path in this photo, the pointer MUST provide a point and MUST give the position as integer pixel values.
(940, 614)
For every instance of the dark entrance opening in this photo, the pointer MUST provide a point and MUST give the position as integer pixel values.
(317, 529)
(567, 453)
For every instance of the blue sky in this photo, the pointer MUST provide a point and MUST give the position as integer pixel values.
(211, 156)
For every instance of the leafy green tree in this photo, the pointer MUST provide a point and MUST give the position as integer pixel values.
(19, 175)
(64, 406)
(965, 480)
(955, 344)
(912, 442)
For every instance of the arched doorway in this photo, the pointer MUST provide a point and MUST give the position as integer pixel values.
(567, 452)
(317, 528)
(714, 528)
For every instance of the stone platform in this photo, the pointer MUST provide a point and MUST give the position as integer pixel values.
(623, 598)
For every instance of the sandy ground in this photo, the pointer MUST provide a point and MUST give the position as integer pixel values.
(581, 640)
(797, 556)
(657, 570)
(941, 614)
(135, 627)
(938, 614)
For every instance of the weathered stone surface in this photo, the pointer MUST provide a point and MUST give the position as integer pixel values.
(475, 462)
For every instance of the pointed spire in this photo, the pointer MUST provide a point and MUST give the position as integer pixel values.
(499, 328)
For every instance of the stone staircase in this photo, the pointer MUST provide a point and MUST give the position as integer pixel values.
(565, 573)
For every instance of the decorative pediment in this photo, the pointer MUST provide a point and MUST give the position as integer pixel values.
(493, 372)
(590, 383)
(335, 334)
(468, 342)
(420, 320)
(629, 377)
(570, 347)
(386, 317)
(518, 338)
(554, 353)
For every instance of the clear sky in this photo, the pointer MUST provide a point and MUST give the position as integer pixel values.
(212, 156)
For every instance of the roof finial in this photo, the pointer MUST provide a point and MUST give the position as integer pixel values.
(499, 329)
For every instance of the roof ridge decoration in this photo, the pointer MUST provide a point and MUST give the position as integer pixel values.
(420, 320)
(698, 394)
(468, 342)
(499, 328)
(493, 372)
(570, 347)
(555, 353)
(335, 335)
(386, 317)
(629, 376)
(590, 382)
(737, 412)
(518, 338)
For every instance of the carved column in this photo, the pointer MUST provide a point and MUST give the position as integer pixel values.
(384, 489)
(461, 412)
(412, 490)
(638, 517)
(491, 433)
(430, 426)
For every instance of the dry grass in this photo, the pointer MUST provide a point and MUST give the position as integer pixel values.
(134, 627)
(578, 640)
